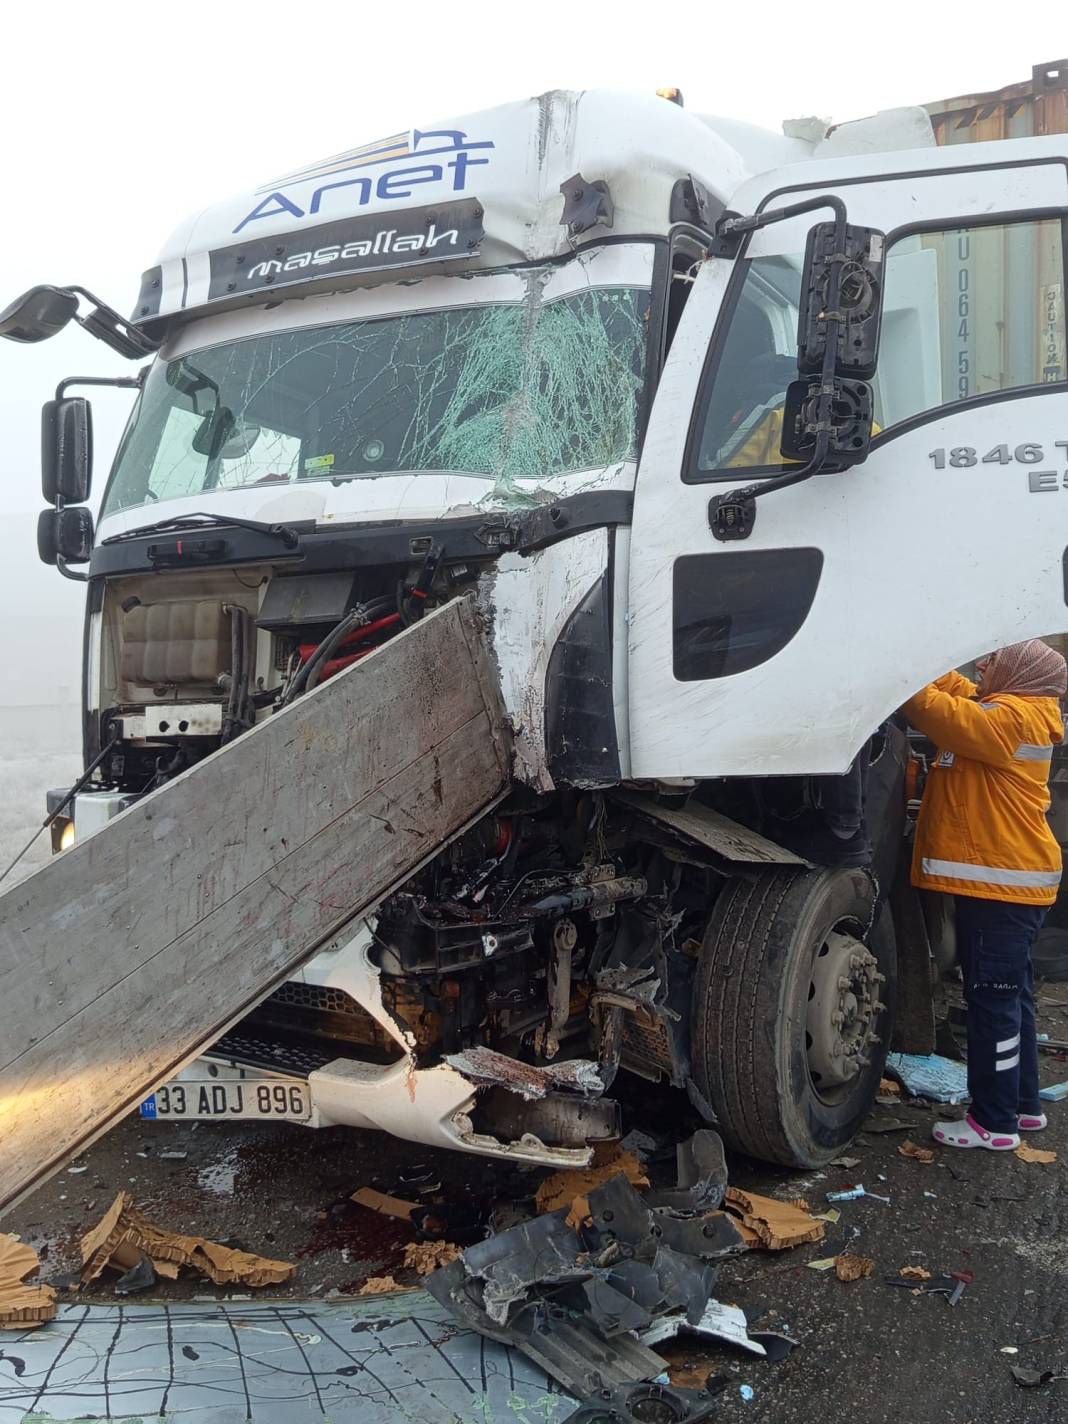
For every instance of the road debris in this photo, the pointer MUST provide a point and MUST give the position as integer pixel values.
(929, 1075)
(914, 1273)
(747, 1392)
(382, 1285)
(571, 1187)
(847, 1162)
(855, 1193)
(912, 1150)
(952, 1285)
(1027, 1153)
(889, 1088)
(644, 1401)
(848, 1267)
(22, 1306)
(1031, 1379)
(587, 1295)
(770, 1224)
(124, 1235)
(1054, 1092)
(427, 1256)
(387, 1205)
(825, 1263)
(138, 1278)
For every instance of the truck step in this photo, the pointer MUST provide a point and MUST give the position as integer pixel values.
(128, 955)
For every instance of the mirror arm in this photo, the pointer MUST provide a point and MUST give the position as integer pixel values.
(732, 515)
(133, 383)
(67, 572)
(113, 329)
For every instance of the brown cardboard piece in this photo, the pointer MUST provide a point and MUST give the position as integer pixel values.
(388, 1206)
(382, 1285)
(427, 1256)
(1027, 1153)
(853, 1268)
(122, 1235)
(770, 1224)
(572, 1187)
(917, 1153)
(22, 1306)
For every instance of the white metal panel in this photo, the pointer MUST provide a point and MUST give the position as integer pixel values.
(923, 568)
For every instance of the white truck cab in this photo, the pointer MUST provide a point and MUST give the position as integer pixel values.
(724, 433)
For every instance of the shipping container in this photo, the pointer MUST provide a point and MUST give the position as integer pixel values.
(1000, 286)
(1035, 106)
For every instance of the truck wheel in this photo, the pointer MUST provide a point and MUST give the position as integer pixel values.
(792, 1011)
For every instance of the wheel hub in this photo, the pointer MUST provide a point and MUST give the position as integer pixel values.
(843, 1008)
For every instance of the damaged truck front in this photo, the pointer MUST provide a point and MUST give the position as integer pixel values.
(438, 367)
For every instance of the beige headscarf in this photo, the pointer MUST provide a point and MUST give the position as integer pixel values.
(1030, 669)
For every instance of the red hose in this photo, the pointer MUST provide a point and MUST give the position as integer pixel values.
(307, 650)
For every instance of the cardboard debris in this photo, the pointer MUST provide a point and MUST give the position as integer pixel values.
(889, 1088)
(800, 1203)
(917, 1153)
(914, 1273)
(427, 1256)
(853, 1268)
(382, 1285)
(22, 1306)
(572, 1187)
(1027, 1153)
(388, 1206)
(770, 1224)
(122, 1235)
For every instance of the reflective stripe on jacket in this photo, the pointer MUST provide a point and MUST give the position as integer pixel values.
(982, 829)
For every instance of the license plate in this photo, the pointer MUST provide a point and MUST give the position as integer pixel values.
(211, 1100)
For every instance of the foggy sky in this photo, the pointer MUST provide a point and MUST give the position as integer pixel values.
(118, 120)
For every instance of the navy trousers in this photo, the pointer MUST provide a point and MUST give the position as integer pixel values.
(994, 939)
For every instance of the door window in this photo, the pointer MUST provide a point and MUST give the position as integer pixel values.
(968, 312)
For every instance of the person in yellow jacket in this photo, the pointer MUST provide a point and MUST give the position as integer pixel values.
(982, 837)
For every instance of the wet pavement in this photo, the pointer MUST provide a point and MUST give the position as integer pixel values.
(868, 1352)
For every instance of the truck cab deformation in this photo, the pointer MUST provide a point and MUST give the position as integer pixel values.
(721, 432)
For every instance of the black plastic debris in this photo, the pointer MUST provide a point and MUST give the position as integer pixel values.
(951, 1286)
(702, 1176)
(1032, 1379)
(137, 1278)
(640, 1404)
(587, 1306)
(776, 1347)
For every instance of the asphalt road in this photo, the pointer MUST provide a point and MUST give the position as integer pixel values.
(868, 1352)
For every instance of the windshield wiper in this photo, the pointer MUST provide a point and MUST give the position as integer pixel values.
(288, 535)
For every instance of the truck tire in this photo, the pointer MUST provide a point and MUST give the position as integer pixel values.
(792, 1011)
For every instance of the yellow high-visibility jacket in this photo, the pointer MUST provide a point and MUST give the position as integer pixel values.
(982, 829)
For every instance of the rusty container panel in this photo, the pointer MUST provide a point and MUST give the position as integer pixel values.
(1034, 107)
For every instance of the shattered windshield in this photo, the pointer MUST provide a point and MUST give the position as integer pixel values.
(504, 391)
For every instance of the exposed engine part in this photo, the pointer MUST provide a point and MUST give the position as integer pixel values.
(565, 938)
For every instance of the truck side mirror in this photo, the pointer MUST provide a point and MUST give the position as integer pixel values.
(38, 314)
(66, 450)
(65, 534)
(849, 435)
(860, 301)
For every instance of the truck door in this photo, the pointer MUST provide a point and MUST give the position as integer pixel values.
(781, 652)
